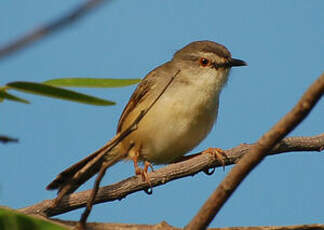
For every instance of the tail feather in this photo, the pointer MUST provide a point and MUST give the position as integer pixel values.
(73, 177)
(68, 173)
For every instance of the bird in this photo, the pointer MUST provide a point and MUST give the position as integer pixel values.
(180, 99)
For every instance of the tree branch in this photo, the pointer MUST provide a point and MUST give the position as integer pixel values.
(165, 226)
(49, 28)
(171, 172)
(237, 174)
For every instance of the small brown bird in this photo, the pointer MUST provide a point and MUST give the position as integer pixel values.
(180, 119)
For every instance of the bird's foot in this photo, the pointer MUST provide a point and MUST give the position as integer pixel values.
(218, 153)
(144, 173)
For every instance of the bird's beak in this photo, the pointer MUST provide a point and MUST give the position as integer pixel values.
(236, 62)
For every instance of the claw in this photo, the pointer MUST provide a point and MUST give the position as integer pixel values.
(219, 154)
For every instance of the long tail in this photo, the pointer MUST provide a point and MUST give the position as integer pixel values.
(73, 177)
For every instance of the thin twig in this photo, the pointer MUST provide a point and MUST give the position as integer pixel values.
(169, 173)
(94, 192)
(49, 28)
(224, 190)
(95, 188)
(6, 139)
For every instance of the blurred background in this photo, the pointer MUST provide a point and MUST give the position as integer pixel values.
(282, 42)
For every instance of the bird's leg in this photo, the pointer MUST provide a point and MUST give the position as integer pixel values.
(218, 153)
(148, 165)
(140, 171)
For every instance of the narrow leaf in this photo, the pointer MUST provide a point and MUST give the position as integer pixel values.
(92, 82)
(12, 220)
(51, 91)
(8, 96)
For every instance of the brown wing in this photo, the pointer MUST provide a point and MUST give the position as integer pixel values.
(135, 99)
(146, 85)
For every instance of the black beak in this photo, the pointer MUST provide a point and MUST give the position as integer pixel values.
(236, 62)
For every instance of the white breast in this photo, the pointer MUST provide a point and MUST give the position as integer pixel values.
(182, 119)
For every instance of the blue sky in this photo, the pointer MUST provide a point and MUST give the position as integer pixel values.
(282, 41)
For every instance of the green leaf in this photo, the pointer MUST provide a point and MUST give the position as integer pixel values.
(92, 82)
(51, 91)
(12, 220)
(8, 96)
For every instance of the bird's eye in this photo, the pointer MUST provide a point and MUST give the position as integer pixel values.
(204, 62)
